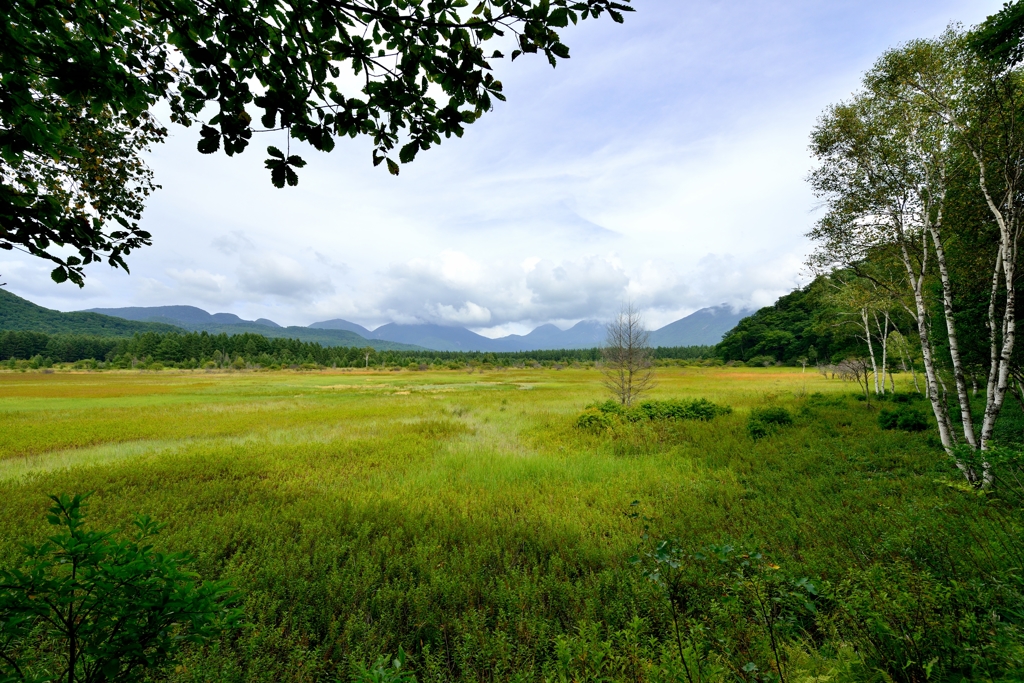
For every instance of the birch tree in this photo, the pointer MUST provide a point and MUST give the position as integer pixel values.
(886, 162)
(982, 104)
(881, 200)
(868, 305)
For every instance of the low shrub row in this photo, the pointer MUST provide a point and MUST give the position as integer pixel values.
(599, 416)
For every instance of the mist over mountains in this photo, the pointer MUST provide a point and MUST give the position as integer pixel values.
(704, 327)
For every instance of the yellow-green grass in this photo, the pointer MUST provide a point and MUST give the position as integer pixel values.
(460, 515)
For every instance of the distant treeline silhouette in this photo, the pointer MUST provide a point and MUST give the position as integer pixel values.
(201, 349)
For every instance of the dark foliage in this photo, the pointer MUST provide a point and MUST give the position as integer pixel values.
(765, 421)
(194, 349)
(903, 417)
(795, 326)
(999, 37)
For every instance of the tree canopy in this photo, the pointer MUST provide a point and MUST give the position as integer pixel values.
(1000, 36)
(78, 83)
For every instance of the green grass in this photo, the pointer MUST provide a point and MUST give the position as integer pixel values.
(463, 517)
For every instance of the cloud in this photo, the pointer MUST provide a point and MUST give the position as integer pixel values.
(456, 289)
(282, 277)
(470, 314)
(234, 242)
(587, 287)
(198, 285)
(342, 268)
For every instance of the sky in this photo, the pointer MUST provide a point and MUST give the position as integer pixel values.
(663, 164)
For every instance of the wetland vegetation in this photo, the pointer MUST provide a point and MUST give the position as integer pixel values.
(467, 519)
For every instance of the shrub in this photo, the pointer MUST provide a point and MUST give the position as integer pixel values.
(766, 421)
(594, 421)
(88, 607)
(772, 415)
(821, 400)
(673, 409)
(904, 418)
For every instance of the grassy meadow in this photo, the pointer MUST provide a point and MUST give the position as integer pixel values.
(464, 517)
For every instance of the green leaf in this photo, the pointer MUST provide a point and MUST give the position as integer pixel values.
(277, 175)
(392, 167)
(275, 152)
(408, 152)
(59, 274)
(111, 668)
(208, 145)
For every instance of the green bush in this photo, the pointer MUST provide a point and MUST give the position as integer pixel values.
(821, 400)
(594, 421)
(672, 409)
(88, 607)
(772, 415)
(914, 626)
(903, 417)
(766, 421)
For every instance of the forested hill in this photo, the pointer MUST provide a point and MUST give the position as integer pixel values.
(23, 315)
(17, 314)
(798, 325)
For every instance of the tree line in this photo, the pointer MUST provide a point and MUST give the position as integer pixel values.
(202, 349)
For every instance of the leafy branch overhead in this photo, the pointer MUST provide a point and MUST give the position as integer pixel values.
(79, 81)
(422, 69)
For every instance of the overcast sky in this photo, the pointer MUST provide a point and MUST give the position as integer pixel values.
(664, 162)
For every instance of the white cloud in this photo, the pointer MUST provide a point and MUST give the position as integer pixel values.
(280, 276)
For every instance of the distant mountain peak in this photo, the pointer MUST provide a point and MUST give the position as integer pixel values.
(340, 324)
(703, 327)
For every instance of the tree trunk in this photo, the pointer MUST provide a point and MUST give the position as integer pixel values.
(954, 344)
(883, 335)
(1000, 371)
(871, 348)
(921, 317)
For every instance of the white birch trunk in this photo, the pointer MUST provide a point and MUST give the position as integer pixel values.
(921, 317)
(883, 336)
(954, 344)
(1000, 371)
(871, 348)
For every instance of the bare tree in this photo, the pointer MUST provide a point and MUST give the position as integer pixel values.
(858, 370)
(627, 355)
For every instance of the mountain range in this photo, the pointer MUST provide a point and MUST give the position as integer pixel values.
(197, 320)
(704, 327)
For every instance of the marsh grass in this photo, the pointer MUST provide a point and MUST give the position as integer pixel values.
(467, 520)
